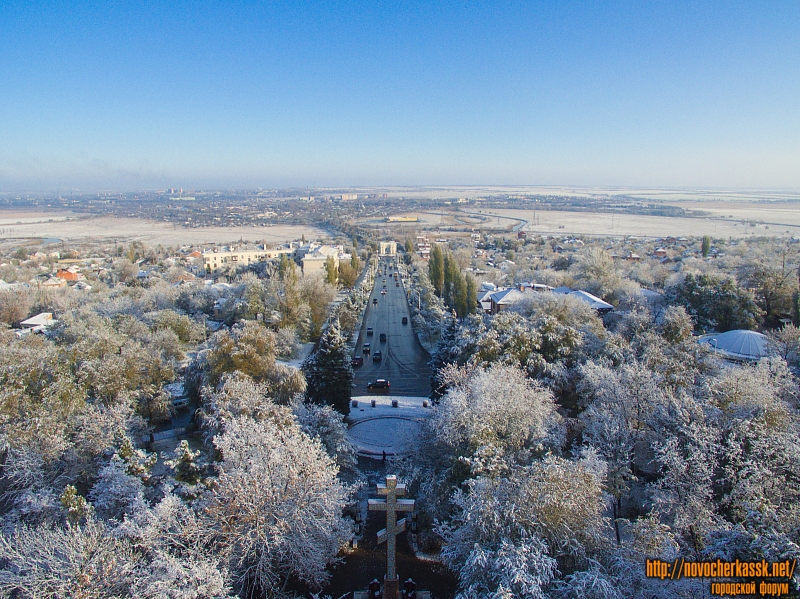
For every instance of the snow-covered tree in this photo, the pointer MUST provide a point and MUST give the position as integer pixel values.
(499, 407)
(327, 425)
(71, 561)
(185, 464)
(116, 492)
(329, 371)
(277, 506)
(509, 531)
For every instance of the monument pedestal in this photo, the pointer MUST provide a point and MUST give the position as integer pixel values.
(391, 588)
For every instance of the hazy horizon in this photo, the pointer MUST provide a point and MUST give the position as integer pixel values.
(365, 94)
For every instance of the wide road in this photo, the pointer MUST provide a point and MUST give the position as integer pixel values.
(405, 361)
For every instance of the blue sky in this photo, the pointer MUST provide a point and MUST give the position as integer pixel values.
(132, 95)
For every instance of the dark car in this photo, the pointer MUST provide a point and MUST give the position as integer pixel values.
(369, 331)
(375, 301)
(383, 337)
(405, 319)
(366, 348)
(377, 356)
(378, 385)
(397, 284)
(358, 360)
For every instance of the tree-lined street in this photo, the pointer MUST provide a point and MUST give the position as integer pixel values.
(404, 361)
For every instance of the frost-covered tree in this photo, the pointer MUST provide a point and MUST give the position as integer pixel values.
(327, 425)
(436, 271)
(277, 506)
(248, 348)
(509, 532)
(71, 561)
(714, 302)
(329, 371)
(116, 492)
(785, 342)
(497, 407)
(237, 396)
(159, 553)
(185, 464)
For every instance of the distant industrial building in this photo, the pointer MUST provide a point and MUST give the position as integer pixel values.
(349, 196)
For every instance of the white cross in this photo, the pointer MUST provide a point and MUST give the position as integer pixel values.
(391, 505)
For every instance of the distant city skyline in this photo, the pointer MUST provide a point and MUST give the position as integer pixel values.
(153, 95)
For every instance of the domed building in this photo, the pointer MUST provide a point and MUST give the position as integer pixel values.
(740, 345)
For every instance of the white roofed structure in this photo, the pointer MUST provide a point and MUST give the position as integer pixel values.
(594, 301)
(739, 345)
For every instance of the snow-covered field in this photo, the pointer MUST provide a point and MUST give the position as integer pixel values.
(19, 225)
(776, 219)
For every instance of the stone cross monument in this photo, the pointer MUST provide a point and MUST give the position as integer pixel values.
(391, 505)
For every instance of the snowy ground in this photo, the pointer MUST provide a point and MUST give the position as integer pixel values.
(374, 430)
(305, 349)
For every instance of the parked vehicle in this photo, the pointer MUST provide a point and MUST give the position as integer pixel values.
(378, 385)
(377, 356)
(383, 337)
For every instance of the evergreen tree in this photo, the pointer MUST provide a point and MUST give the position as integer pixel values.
(796, 308)
(706, 245)
(460, 301)
(436, 269)
(331, 272)
(185, 464)
(409, 248)
(444, 353)
(447, 285)
(715, 302)
(284, 266)
(329, 371)
(472, 294)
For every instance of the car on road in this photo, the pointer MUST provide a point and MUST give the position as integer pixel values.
(405, 319)
(375, 301)
(366, 348)
(358, 361)
(378, 385)
(377, 356)
(369, 331)
(383, 292)
(383, 337)
(384, 281)
(397, 284)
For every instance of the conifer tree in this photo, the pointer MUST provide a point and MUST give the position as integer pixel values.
(706, 246)
(329, 371)
(436, 269)
(444, 353)
(472, 294)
